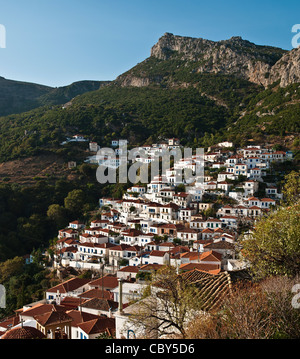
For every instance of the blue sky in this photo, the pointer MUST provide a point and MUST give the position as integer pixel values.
(58, 42)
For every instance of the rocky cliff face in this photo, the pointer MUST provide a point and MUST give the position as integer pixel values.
(287, 69)
(261, 65)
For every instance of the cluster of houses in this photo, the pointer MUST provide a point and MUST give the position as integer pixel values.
(154, 225)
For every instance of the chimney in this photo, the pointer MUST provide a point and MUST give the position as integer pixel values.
(58, 298)
(120, 310)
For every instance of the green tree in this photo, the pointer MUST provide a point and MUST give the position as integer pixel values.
(88, 170)
(58, 214)
(10, 268)
(274, 247)
(75, 201)
(291, 190)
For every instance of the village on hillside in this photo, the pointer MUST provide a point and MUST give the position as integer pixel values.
(194, 227)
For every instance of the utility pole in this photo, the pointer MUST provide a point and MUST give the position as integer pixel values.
(102, 269)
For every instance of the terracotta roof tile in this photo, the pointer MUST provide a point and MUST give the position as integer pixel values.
(52, 317)
(79, 317)
(100, 304)
(109, 281)
(41, 309)
(98, 326)
(23, 333)
(96, 293)
(69, 285)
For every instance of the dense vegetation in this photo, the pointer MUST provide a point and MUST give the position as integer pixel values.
(274, 247)
(61, 95)
(30, 217)
(210, 108)
(135, 114)
(147, 114)
(24, 282)
(174, 96)
(24, 224)
(230, 91)
(274, 111)
(17, 97)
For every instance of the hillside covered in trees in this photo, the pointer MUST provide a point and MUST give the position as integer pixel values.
(198, 90)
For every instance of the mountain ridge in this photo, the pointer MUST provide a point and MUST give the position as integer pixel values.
(20, 96)
(196, 89)
(259, 64)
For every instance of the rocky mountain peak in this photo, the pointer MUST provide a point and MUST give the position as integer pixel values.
(287, 69)
(237, 57)
(241, 58)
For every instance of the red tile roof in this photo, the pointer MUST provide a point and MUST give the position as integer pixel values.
(10, 322)
(129, 269)
(149, 267)
(69, 286)
(109, 281)
(210, 268)
(23, 333)
(52, 317)
(98, 326)
(100, 304)
(79, 317)
(96, 293)
(40, 309)
(157, 253)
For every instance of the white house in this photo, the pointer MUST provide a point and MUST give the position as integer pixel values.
(250, 187)
(256, 173)
(252, 162)
(70, 288)
(158, 257)
(213, 223)
(130, 291)
(144, 239)
(131, 236)
(76, 225)
(225, 144)
(229, 221)
(267, 203)
(94, 147)
(188, 234)
(272, 191)
(137, 189)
